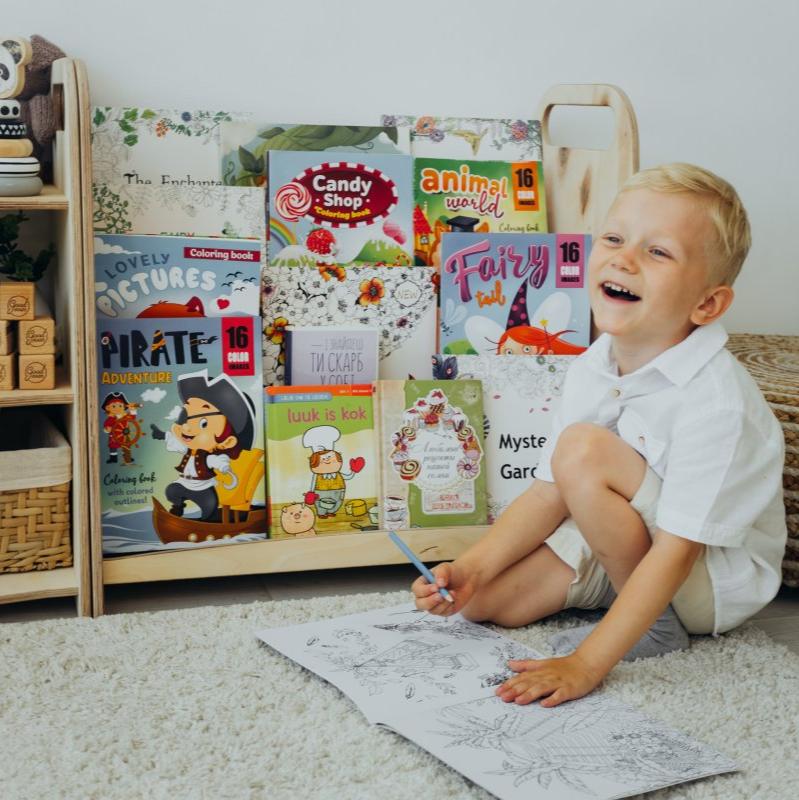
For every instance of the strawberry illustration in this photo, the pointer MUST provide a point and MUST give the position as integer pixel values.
(322, 243)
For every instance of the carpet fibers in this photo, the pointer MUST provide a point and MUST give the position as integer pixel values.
(187, 704)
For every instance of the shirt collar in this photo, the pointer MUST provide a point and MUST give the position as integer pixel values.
(679, 363)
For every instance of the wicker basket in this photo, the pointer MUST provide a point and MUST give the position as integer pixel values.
(773, 361)
(35, 468)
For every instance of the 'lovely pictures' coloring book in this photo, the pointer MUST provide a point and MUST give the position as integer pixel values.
(175, 276)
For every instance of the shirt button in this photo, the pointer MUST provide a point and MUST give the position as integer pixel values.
(616, 392)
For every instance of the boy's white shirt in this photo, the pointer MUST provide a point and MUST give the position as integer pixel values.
(701, 422)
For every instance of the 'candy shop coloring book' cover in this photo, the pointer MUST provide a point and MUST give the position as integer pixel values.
(339, 208)
(181, 432)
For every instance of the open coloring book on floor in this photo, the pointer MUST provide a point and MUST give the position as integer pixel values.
(432, 680)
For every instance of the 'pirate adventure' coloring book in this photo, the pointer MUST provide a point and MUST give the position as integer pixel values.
(322, 474)
(181, 432)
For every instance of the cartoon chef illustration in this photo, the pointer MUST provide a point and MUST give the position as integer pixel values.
(215, 424)
(328, 486)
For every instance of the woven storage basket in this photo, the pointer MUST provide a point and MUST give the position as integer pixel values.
(35, 469)
(773, 361)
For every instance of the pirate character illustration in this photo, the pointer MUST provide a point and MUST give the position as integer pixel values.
(122, 427)
(216, 423)
(328, 482)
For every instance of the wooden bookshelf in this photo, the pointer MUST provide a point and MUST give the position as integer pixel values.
(580, 186)
(63, 202)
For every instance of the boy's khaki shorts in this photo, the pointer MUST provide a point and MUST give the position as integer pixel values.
(693, 602)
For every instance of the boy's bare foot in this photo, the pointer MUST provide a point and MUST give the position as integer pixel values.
(665, 635)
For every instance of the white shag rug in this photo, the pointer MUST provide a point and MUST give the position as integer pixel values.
(188, 704)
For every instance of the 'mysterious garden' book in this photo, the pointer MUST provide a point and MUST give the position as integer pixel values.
(331, 355)
(432, 456)
(181, 432)
(175, 276)
(322, 470)
(520, 395)
(514, 294)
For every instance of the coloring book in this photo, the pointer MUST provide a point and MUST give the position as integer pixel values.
(514, 294)
(181, 432)
(339, 209)
(399, 302)
(520, 394)
(457, 195)
(431, 453)
(432, 680)
(322, 471)
(173, 276)
(471, 137)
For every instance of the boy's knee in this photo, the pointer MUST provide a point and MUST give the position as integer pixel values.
(580, 449)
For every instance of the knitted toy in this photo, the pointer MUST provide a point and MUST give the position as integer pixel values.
(26, 77)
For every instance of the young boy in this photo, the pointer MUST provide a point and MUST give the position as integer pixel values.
(659, 493)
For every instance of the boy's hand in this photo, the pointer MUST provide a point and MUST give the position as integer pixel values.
(460, 584)
(554, 679)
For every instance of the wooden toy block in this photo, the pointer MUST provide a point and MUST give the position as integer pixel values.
(36, 336)
(37, 371)
(8, 337)
(16, 148)
(8, 372)
(17, 299)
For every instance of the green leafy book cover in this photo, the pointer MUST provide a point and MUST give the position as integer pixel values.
(432, 456)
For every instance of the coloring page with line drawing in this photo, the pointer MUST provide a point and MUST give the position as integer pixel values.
(397, 659)
(432, 680)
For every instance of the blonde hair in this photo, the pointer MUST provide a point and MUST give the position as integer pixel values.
(725, 208)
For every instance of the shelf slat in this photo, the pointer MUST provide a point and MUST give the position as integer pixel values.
(16, 587)
(290, 555)
(61, 395)
(50, 198)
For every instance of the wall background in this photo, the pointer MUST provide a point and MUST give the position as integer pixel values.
(712, 83)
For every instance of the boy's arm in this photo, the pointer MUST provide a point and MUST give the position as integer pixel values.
(644, 597)
(520, 529)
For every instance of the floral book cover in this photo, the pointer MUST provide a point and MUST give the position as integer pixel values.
(474, 138)
(513, 294)
(157, 147)
(337, 208)
(520, 395)
(181, 438)
(175, 276)
(322, 469)
(399, 302)
(432, 457)
(467, 196)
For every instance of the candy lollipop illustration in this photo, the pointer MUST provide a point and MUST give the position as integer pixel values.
(292, 201)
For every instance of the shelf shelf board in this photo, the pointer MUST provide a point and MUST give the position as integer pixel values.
(51, 198)
(16, 587)
(289, 555)
(61, 395)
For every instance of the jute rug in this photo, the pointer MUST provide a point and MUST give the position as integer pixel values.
(187, 704)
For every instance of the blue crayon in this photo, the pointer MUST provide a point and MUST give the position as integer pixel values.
(411, 556)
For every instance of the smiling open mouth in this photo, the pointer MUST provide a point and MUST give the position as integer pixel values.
(618, 292)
